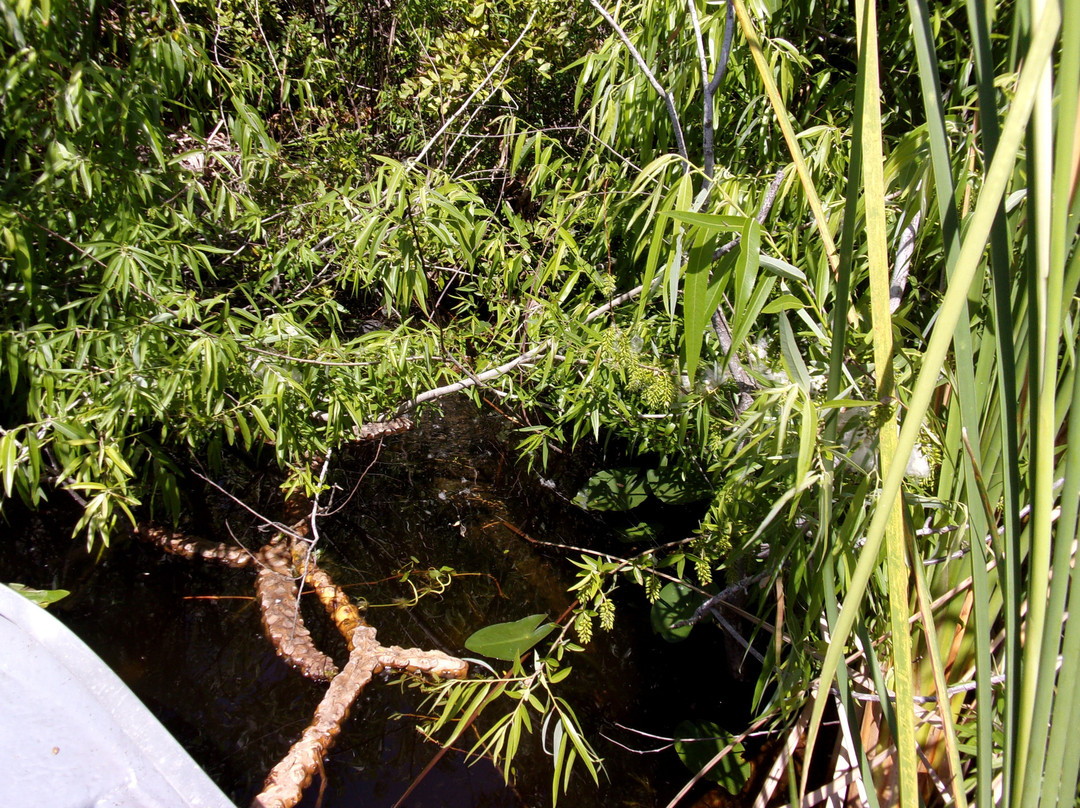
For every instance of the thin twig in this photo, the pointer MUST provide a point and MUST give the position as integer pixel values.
(310, 543)
(326, 363)
(273, 61)
(423, 152)
(270, 522)
(363, 474)
(716, 759)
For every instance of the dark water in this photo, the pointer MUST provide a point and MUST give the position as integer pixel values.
(186, 636)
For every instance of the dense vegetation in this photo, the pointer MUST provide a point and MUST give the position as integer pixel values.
(733, 244)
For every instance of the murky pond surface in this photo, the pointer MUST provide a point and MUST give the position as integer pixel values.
(445, 496)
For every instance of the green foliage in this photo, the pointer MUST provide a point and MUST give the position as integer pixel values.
(42, 597)
(699, 742)
(675, 603)
(534, 707)
(613, 490)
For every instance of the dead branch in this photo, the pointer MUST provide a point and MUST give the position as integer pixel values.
(192, 547)
(287, 780)
(279, 604)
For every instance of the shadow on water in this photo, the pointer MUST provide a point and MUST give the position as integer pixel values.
(447, 496)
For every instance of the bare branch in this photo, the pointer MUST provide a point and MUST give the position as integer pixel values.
(903, 261)
(709, 606)
(669, 99)
(707, 128)
(709, 88)
(472, 381)
(725, 49)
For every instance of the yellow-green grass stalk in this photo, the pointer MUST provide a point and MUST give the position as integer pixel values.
(784, 120)
(873, 159)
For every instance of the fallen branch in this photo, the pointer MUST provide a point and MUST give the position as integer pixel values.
(279, 604)
(277, 585)
(472, 381)
(287, 780)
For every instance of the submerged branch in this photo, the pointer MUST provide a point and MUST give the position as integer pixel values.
(192, 547)
(278, 601)
(277, 586)
(287, 780)
(342, 610)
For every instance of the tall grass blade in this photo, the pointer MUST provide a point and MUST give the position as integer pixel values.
(1044, 314)
(980, 587)
(844, 686)
(1063, 750)
(941, 686)
(1050, 765)
(997, 180)
(1063, 753)
(1007, 389)
(872, 157)
(970, 405)
(827, 493)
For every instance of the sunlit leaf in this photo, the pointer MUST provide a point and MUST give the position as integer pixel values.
(508, 641)
(42, 597)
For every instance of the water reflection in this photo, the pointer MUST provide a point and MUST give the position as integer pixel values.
(447, 496)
